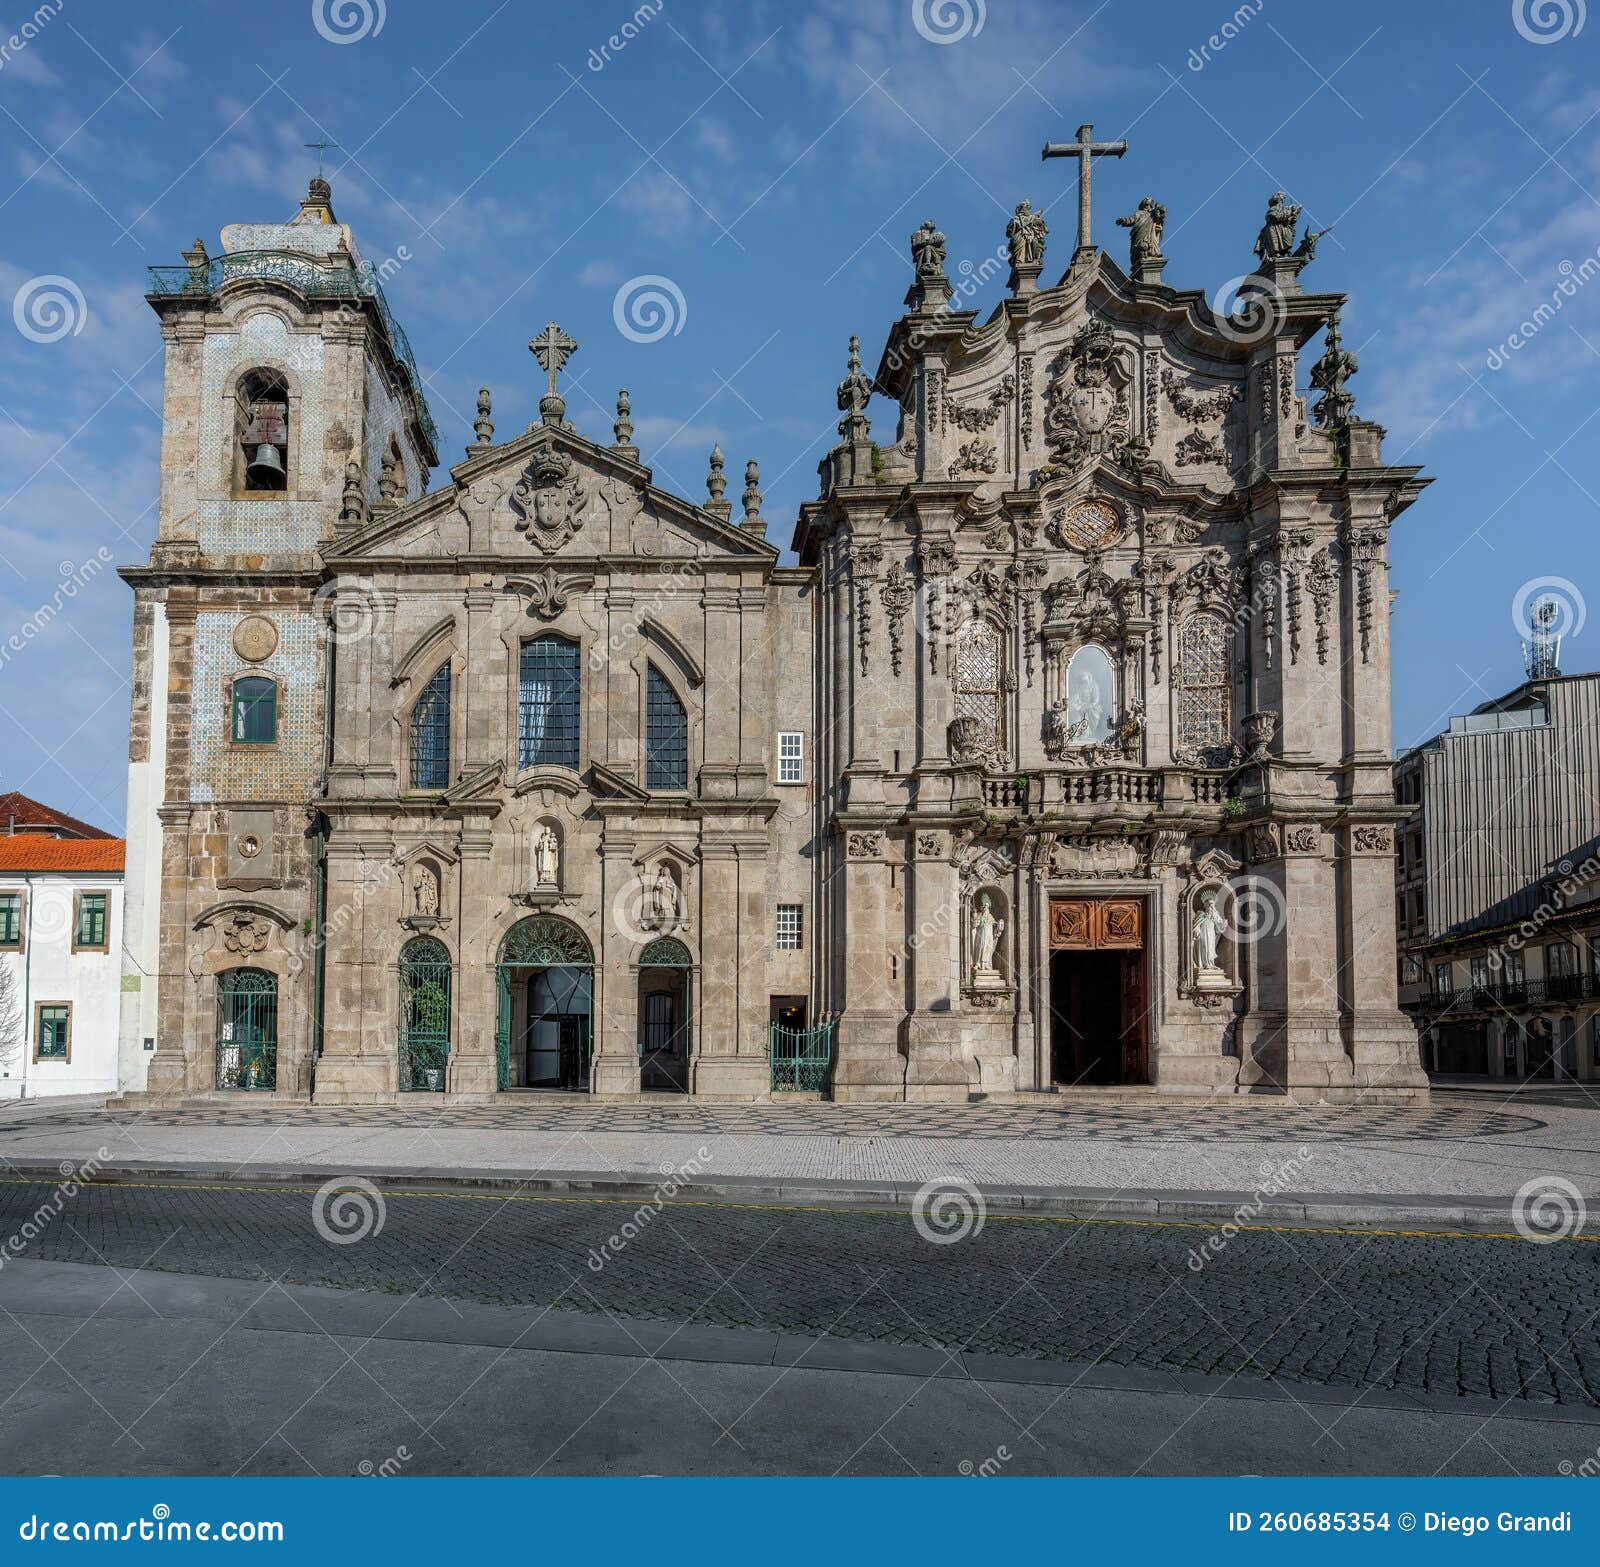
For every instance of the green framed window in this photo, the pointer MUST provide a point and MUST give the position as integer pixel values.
(547, 703)
(10, 919)
(666, 735)
(91, 931)
(430, 734)
(255, 710)
(51, 1034)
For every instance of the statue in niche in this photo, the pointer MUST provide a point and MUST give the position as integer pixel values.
(661, 901)
(1209, 926)
(986, 932)
(424, 890)
(547, 858)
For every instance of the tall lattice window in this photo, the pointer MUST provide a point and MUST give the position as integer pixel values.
(978, 678)
(666, 734)
(547, 708)
(430, 734)
(1205, 690)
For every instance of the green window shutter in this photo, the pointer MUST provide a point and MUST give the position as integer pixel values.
(255, 710)
(10, 919)
(53, 1033)
(92, 920)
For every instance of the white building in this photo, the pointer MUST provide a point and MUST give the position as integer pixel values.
(61, 921)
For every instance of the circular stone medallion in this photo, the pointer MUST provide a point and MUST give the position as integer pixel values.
(255, 638)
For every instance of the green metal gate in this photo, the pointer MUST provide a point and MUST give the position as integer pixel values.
(801, 1057)
(424, 1015)
(541, 941)
(247, 1029)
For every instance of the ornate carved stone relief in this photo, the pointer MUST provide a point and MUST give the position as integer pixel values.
(1086, 404)
(895, 595)
(549, 499)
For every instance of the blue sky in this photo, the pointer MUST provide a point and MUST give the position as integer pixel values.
(770, 160)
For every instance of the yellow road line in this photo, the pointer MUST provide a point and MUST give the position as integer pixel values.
(281, 1189)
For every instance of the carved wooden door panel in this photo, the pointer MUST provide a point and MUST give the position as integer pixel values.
(1134, 1069)
(1120, 923)
(1072, 923)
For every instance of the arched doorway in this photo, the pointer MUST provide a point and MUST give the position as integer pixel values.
(424, 1015)
(664, 974)
(247, 1029)
(545, 991)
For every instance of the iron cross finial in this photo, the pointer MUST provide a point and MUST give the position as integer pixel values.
(552, 348)
(321, 147)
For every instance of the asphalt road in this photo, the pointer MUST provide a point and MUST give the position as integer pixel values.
(1498, 1318)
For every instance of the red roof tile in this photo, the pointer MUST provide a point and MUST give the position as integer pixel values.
(34, 852)
(19, 814)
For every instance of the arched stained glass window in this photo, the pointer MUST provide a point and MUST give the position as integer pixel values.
(430, 734)
(547, 707)
(666, 734)
(1205, 690)
(978, 678)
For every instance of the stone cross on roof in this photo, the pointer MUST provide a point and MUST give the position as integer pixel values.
(553, 348)
(1084, 149)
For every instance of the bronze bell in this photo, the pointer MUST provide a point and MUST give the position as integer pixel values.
(266, 469)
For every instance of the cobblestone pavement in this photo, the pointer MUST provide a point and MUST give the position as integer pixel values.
(579, 1115)
(1498, 1317)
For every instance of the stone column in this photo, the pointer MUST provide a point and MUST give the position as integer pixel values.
(614, 1072)
(360, 1015)
(472, 1069)
(869, 1065)
(936, 1067)
(732, 1061)
(1382, 1039)
(486, 674)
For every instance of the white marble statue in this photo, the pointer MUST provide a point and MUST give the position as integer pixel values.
(424, 891)
(1208, 928)
(986, 931)
(547, 858)
(661, 902)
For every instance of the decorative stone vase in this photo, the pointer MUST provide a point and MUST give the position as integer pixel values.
(1259, 730)
(969, 738)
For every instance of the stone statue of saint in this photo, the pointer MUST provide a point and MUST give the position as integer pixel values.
(1147, 224)
(1276, 239)
(424, 891)
(547, 858)
(661, 902)
(1208, 928)
(1025, 234)
(986, 931)
(927, 251)
(1057, 731)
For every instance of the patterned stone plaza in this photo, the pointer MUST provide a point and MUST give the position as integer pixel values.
(1058, 758)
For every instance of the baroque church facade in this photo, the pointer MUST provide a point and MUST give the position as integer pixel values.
(1059, 758)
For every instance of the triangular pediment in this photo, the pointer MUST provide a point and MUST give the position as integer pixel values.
(552, 496)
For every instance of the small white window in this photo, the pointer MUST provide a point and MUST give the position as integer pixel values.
(791, 758)
(789, 927)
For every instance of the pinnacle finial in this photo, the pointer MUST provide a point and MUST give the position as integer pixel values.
(716, 485)
(855, 392)
(483, 425)
(622, 429)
